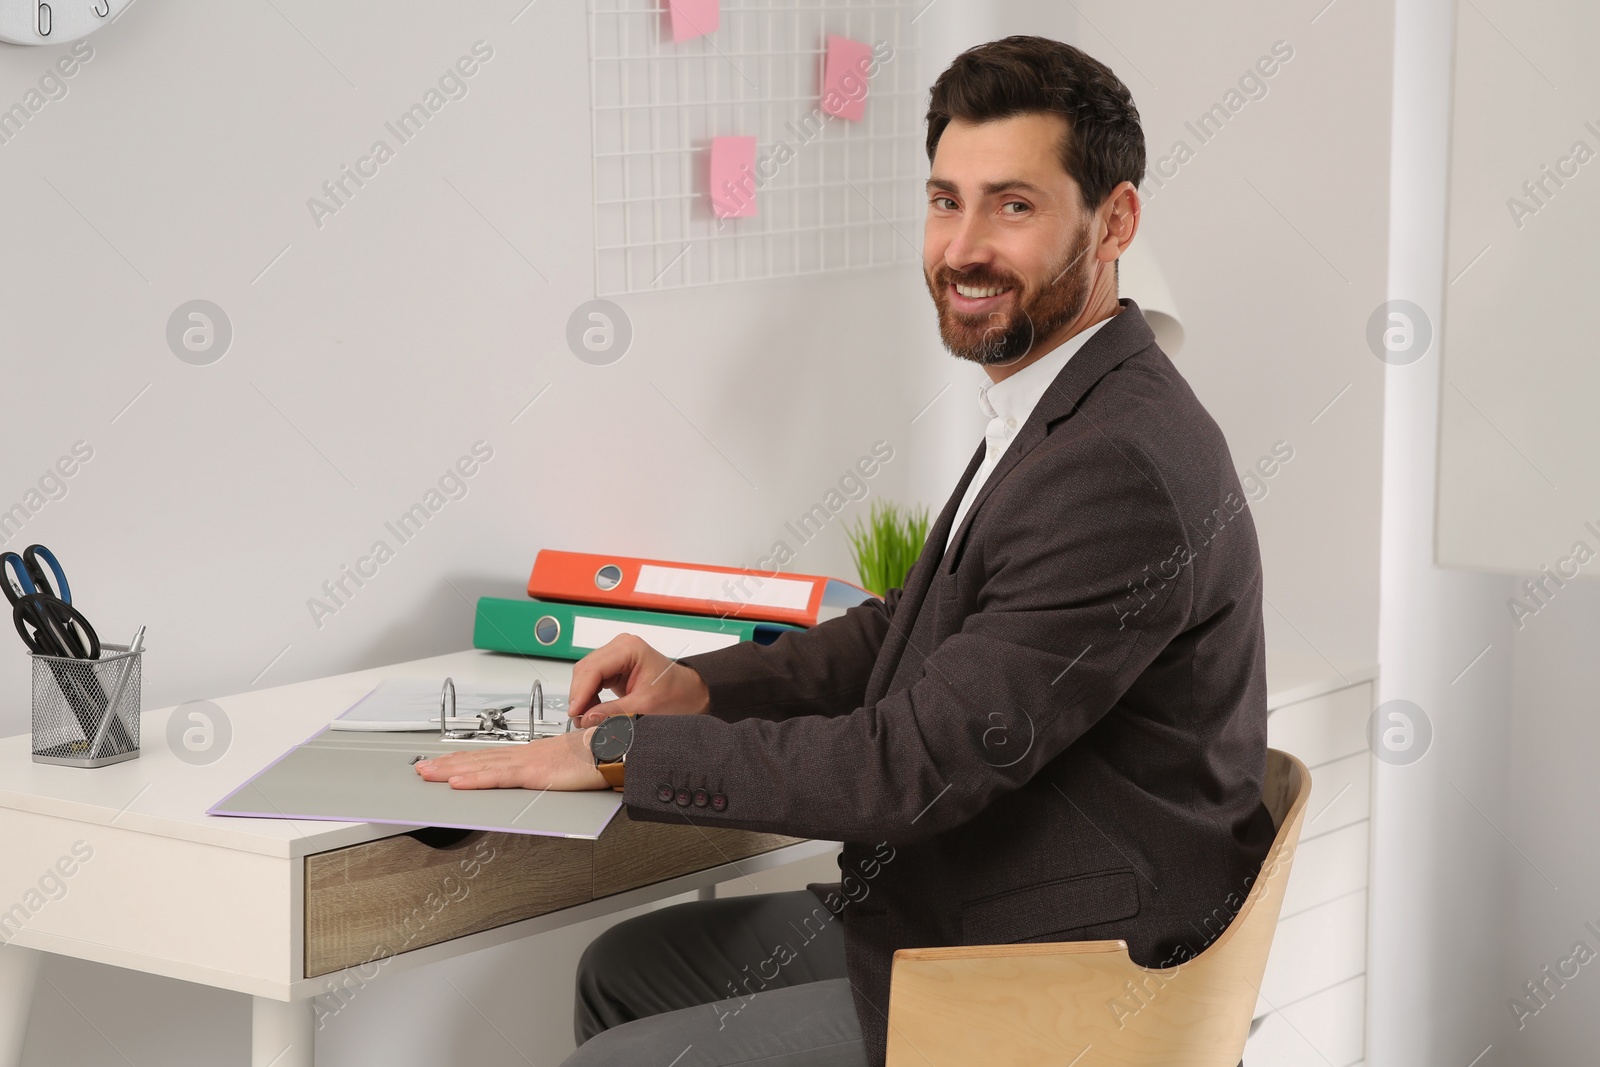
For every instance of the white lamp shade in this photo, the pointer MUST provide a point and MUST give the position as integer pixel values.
(1140, 277)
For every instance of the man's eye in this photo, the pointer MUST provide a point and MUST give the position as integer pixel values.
(1019, 205)
(944, 203)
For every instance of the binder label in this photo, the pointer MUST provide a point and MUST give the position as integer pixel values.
(787, 593)
(590, 632)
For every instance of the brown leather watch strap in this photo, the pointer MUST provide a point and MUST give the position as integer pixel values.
(612, 772)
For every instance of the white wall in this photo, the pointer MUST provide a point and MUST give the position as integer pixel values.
(1484, 875)
(1517, 472)
(1551, 817)
(381, 346)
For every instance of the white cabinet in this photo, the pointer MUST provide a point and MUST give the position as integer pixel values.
(1312, 1008)
(1322, 1029)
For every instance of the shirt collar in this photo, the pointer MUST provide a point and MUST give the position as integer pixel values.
(1015, 397)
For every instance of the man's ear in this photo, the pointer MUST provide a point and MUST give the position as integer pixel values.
(1118, 222)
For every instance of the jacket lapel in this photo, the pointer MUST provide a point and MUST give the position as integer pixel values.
(918, 579)
(1126, 334)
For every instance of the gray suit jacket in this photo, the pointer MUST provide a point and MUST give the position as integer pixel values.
(1056, 731)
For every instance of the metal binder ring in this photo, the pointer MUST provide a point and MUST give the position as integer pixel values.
(536, 710)
(447, 693)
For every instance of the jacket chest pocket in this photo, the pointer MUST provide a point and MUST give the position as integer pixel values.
(945, 597)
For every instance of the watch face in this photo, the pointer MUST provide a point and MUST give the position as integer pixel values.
(611, 738)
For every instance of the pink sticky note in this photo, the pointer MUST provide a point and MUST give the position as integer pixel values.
(733, 177)
(693, 18)
(844, 78)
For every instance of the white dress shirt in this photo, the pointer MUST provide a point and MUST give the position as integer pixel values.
(1008, 403)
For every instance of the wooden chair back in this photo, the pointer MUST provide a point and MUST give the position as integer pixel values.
(1033, 1003)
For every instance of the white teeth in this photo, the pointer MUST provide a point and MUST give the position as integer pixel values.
(974, 293)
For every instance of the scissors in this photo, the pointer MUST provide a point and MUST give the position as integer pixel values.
(50, 626)
(47, 622)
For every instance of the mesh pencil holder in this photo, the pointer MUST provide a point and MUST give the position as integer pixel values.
(74, 721)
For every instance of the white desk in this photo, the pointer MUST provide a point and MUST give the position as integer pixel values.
(221, 901)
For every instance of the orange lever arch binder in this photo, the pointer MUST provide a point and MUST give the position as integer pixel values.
(694, 588)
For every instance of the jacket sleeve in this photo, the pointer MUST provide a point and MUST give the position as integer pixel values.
(820, 671)
(1066, 618)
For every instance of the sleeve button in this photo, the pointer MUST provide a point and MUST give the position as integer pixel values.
(718, 802)
(683, 798)
(664, 793)
(701, 798)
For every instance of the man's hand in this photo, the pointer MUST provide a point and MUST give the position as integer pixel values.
(561, 762)
(645, 681)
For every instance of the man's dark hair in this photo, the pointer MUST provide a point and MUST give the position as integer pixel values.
(1021, 75)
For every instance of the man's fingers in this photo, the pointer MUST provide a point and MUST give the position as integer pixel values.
(493, 769)
(471, 779)
(547, 763)
(596, 716)
(608, 664)
(438, 768)
(491, 778)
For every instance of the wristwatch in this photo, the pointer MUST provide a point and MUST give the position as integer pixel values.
(609, 745)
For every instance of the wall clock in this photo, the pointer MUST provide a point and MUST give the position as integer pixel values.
(54, 21)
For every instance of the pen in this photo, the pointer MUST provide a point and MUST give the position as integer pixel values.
(116, 694)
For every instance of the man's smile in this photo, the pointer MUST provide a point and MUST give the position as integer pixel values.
(976, 299)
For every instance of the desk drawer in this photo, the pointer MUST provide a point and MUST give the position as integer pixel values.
(389, 896)
(630, 854)
(385, 897)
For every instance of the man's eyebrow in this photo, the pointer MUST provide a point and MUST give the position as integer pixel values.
(1010, 185)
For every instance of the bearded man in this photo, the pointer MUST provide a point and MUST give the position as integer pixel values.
(1055, 731)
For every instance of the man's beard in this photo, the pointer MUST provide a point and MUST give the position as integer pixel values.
(1004, 337)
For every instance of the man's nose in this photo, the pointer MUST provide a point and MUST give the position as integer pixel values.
(970, 245)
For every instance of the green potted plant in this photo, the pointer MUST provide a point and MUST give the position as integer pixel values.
(887, 546)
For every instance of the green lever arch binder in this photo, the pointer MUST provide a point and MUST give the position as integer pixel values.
(572, 631)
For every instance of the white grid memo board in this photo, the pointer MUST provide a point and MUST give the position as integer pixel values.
(848, 196)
